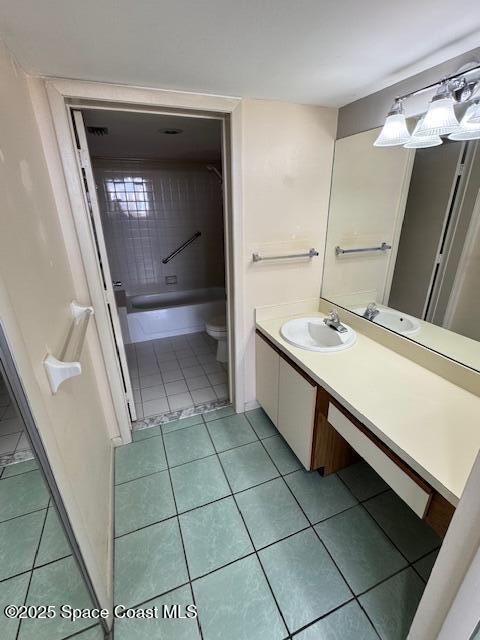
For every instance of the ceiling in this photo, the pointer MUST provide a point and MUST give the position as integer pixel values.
(140, 135)
(327, 52)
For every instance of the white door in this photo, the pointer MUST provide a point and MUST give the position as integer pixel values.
(102, 257)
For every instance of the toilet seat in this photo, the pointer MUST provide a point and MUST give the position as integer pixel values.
(217, 325)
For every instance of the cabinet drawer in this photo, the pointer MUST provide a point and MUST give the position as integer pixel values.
(415, 493)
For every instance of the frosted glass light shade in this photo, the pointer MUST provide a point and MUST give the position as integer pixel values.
(474, 117)
(468, 130)
(394, 131)
(420, 141)
(440, 118)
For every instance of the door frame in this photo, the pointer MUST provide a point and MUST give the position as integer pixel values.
(85, 168)
(472, 234)
(59, 96)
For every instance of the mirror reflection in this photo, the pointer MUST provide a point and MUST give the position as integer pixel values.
(403, 241)
(37, 565)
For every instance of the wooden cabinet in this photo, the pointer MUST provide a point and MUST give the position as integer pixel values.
(296, 411)
(267, 362)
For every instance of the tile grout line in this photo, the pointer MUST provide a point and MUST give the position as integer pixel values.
(33, 567)
(175, 358)
(181, 537)
(17, 474)
(176, 466)
(409, 563)
(324, 545)
(290, 535)
(78, 633)
(250, 537)
(183, 464)
(23, 514)
(39, 566)
(325, 615)
(281, 475)
(357, 596)
(311, 525)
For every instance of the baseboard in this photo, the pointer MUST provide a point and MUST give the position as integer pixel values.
(117, 441)
(252, 404)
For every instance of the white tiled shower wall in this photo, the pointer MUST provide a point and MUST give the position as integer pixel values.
(148, 209)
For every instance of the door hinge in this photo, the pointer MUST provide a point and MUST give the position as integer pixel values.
(84, 158)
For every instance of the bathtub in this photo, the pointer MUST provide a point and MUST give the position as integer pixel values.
(160, 315)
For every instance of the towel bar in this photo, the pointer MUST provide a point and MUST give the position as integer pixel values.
(383, 247)
(310, 254)
(68, 366)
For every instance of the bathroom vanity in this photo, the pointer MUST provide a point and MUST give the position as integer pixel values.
(412, 426)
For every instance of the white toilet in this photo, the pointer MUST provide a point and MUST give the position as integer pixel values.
(216, 327)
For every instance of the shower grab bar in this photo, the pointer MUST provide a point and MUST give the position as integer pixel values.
(183, 246)
(310, 254)
(383, 247)
(68, 366)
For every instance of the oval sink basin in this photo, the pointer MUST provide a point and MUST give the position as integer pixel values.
(394, 320)
(313, 334)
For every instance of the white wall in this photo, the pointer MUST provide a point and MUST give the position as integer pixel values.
(287, 154)
(36, 288)
(454, 584)
(369, 190)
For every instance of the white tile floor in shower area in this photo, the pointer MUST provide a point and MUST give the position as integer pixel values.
(176, 373)
(12, 437)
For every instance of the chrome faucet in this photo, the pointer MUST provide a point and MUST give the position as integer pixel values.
(371, 312)
(333, 321)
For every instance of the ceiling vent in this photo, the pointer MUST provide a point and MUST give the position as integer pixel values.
(98, 131)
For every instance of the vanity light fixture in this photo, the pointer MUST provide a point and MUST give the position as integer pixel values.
(421, 141)
(440, 118)
(468, 130)
(394, 132)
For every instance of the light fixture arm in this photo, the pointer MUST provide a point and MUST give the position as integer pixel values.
(440, 118)
(456, 82)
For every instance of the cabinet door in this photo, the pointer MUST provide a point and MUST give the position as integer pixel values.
(296, 411)
(267, 362)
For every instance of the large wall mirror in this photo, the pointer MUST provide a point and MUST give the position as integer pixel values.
(403, 241)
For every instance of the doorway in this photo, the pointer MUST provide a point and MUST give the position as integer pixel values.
(156, 194)
(436, 225)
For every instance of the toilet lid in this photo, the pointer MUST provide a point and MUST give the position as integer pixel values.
(218, 323)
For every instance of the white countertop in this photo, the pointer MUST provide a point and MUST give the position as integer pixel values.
(433, 425)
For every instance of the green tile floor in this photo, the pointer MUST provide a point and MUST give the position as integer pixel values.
(36, 565)
(216, 511)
